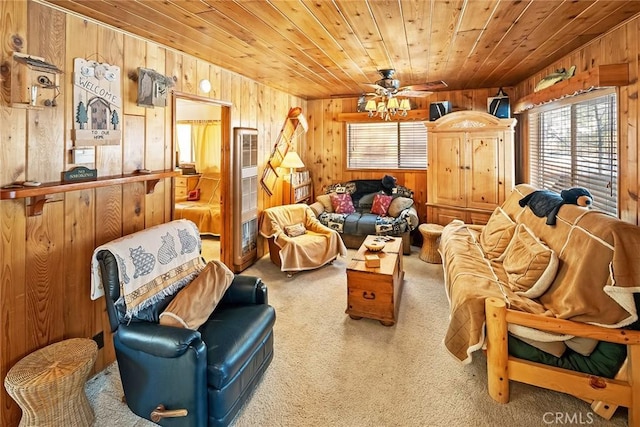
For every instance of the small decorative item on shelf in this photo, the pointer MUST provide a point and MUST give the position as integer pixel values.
(439, 109)
(499, 105)
(555, 77)
(80, 173)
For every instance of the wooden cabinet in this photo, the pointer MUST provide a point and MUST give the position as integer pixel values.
(471, 166)
(184, 184)
(297, 188)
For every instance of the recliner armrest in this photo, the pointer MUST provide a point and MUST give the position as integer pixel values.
(246, 290)
(158, 340)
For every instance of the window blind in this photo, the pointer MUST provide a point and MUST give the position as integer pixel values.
(574, 143)
(387, 145)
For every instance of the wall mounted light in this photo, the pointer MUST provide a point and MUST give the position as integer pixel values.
(205, 85)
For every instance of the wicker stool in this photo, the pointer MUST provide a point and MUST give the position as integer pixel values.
(48, 384)
(431, 238)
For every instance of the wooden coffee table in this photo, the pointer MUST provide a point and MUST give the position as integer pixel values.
(374, 292)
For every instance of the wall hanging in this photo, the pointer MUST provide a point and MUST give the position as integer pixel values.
(97, 103)
(153, 88)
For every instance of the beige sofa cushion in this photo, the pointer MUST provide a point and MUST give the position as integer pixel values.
(325, 199)
(496, 235)
(530, 265)
(398, 205)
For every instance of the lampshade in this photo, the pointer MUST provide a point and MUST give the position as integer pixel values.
(292, 161)
(405, 105)
(392, 104)
(371, 105)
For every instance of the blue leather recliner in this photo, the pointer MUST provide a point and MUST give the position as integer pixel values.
(208, 373)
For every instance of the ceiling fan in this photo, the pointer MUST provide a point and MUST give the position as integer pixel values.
(387, 86)
(389, 98)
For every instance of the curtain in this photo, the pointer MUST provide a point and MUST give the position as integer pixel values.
(207, 146)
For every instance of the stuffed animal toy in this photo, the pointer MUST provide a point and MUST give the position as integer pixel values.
(388, 183)
(547, 203)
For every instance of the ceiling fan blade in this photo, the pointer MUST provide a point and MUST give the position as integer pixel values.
(436, 84)
(347, 95)
(413, 93)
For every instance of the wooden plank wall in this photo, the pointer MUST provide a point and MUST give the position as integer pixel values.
(44, 284)
(324, 155)
(620, 45)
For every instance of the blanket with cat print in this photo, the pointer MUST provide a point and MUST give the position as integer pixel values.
(152, 264)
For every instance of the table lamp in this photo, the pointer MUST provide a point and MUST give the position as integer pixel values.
(292, 161)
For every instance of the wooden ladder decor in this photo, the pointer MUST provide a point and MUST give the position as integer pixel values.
(294, 125)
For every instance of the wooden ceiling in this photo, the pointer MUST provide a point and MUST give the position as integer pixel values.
(322, 48)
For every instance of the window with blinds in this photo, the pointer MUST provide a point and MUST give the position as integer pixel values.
(574, 143)
(387, 145)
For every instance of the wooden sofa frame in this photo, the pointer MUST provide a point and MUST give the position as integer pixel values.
(604, 394)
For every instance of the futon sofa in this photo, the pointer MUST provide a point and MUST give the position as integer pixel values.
(399, 219)
(564, 296)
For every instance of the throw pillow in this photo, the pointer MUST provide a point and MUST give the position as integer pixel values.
(194, 303)
(325, 199)
(496, 235)
(530, 265)
(381, 204)
(295, 230)
(398, 205)
(366, 201)
(342, 203)
(193, 195)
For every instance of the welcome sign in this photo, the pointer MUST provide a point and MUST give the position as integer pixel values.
(97, 103)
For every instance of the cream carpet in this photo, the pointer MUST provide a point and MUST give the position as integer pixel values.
(330, 370)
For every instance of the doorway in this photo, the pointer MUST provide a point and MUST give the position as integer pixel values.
(201, 142)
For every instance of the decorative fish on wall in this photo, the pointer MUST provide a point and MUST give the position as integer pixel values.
(553, 78)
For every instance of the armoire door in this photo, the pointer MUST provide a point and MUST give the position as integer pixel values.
(482, 163)
(447, 152)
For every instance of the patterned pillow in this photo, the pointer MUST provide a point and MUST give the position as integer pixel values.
(342, 203)
(381, 204)
(295, 230)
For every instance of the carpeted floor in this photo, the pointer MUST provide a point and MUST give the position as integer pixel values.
(330, 370)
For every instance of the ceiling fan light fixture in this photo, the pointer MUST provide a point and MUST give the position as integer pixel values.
(393, 105)
(371, 105)
(405, 105)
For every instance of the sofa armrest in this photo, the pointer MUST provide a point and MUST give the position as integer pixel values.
(246, 290)
(412, 217)
(158, 340)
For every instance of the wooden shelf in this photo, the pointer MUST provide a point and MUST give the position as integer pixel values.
(299, 192)
(39, 194)
(600, 76)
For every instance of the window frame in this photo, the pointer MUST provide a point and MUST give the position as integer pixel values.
(399, 123)
(534, 121)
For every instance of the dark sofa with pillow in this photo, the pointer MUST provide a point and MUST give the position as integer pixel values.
(359, 208)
